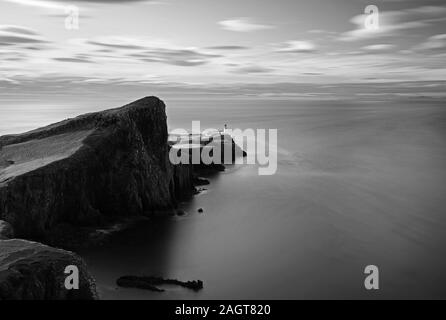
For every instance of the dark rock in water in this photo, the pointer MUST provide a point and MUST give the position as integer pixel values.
(181, 213)
(151, 283)
(201, 181)
(199, 190)
(32, 271)
(208, 170)
(200, 210)
(6, 230)
(85, 171)
(137, 283)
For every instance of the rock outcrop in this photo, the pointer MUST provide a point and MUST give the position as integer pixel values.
(88, 170)
(32, 271)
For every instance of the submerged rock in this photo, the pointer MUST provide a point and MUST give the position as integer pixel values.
(32, 271)
(198, 181)
(6, 231)
(151, 283)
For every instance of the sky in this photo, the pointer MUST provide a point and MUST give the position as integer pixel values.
(212, 44)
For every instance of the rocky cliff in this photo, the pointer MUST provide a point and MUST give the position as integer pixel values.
(88, 170)
(73, 176)
(32, 271)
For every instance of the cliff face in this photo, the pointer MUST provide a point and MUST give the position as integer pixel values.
(6, 231)
(182, 184)
(86, 170)
(32, 271)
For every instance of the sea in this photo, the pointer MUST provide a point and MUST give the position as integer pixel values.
(358, 183)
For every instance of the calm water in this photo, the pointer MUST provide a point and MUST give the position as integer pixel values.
(357, 184)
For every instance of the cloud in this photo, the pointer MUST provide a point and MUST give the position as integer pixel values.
(55, 4)
(393, 22)
(113, 1)
(312, 73)
(229, 48)
(252, 69)
(378, 47)
(434, 43)
(17, 35)
(17, 29)
(14, 59)
(150, 51)
(12, 40)
(243, 25)
(116, 45)
(75, 60)
(64, 15)
(320, 31)
(178, 57)
(294, 46)
(40, 3)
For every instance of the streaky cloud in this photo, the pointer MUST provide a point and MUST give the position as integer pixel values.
(229, 47)
(243, 25)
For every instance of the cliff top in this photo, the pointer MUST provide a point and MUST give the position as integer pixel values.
(85, 121)
(22, 153)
